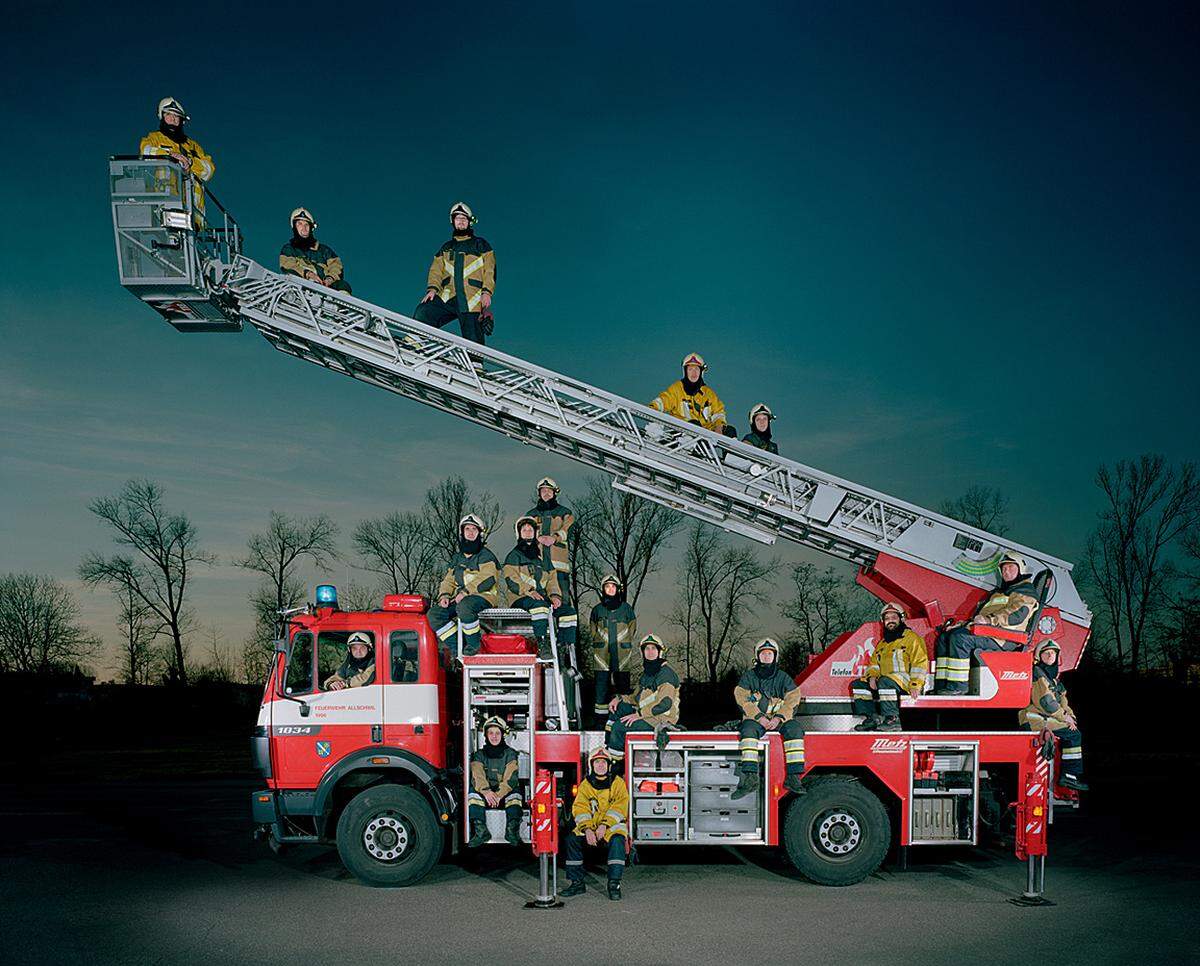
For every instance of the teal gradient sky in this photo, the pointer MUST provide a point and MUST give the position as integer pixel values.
(947, 246)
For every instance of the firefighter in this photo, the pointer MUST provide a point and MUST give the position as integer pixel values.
(358, 668)
(899, 663)
(303, 255)
(614, 629)
(759, 436)
(171, 141)
(768, 698)
(554, 531)
(1049, 711)
(533, 587)
(691, 400)
(653, 705)
(461, 280)
(601, 814)
(471, 584)
(494, 772)
(1004, 614)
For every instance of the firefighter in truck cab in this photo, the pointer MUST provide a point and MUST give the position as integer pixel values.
(358, 669)
(899, 663)
(1000, 621)
(768, 698)
(601, 816)
(471, 584)
(1049, 711)
(494, 785)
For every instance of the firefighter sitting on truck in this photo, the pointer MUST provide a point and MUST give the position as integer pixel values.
(359, 667)
(171, 141)
(471, 584)
(759, 436)
(533, 587)
(303, 255)
(614, 628)
(1049, 711)
(768, 698)
(601, 814)
(899, 663)
(494, 784)
(461, 280)
(1000, 623)
(691, 400)
(652, 706)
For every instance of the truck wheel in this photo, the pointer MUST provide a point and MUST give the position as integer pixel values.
(388, 836)
(838, 833)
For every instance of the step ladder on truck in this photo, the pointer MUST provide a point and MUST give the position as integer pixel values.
(187, 262)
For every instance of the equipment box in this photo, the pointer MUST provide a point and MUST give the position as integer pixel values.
(718, 797)
(652, 760)
(658, 807)
(724, 820)
(657, 830)
(712, 771)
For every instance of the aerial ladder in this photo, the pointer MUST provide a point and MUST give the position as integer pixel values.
(187, 262)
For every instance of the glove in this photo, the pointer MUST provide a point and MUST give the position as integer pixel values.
(487, 322)
(729, 431)
(661, 738)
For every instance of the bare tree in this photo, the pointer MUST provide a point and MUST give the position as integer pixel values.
(623, 533)
(447, 503)
(820, 609)
(720, 586)
(39, 626)
(218, 666)
(1177, 633)
(166, 550)
(401, 548)
(1150, 506)
(982, 507)
(356, 596)
(139, 626)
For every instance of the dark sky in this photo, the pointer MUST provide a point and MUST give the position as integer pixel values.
(948, 245)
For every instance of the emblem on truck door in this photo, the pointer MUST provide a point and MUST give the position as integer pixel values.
(323, 749)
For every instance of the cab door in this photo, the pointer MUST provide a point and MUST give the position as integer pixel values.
(339, 722)
(413, 697)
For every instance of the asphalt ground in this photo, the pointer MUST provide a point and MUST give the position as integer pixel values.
(164, 871)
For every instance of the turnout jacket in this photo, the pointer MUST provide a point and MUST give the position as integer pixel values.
(461, 271)
(1012, 607)
(321, 260)
(904, 660)
(1047, 703)
(760, 443)
(478, 573)
(497, 775)
(157, 144)
(703, 407)
(357, 680)
(613, 632)
(776, 695)
(656, 697)
(555, 522)
(522, 575)
(594, 807)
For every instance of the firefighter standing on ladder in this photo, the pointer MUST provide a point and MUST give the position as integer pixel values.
(768, 698)
(471, 584)
(759, 436)
(461, 280)
(899, 663)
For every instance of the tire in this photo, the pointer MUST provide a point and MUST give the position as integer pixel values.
(387, 835)
(838, 833)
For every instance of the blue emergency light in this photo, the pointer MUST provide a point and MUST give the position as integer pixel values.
(327, 595)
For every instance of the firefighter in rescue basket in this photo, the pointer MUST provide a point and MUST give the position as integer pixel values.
(768, 698)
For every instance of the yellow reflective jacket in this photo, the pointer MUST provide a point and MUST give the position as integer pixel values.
(157, 144)
(903, 660)
(461, 271)
(703, 407)
(594, 807)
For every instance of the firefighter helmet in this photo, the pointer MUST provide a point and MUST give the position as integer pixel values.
(358, 637)
(652, 639)
(549, 481)
(462, 208)
(172, 105)
(600, 751)
(611, 579)
(1047, 646)
(1010, 557)
(532, 521)
(760, 408)
(495, 721)
(471, 518)
(695, 359)
(893, 606)
(306, 215)
(766, 644)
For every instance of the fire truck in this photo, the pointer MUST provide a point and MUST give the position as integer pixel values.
(380, 770)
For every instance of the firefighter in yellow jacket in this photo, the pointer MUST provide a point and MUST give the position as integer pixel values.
(899, 663)
(691, 400)
(171, 141)
(601, 815)
(461, 280)
(768, 699)
(471, 584)
(652, 706)
(1049, 710)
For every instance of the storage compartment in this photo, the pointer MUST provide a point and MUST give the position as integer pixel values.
(657, 830)
(945, 781)
(724, 820)
(658, 807)
(712, 771)
(935, 818)
(651, 760)
(718, 797)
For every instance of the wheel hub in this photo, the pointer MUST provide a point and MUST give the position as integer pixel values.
(838, 833)
(385, 838)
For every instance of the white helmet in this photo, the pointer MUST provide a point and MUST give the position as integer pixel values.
(461, 207)
(1010, 557)
(172, 105)
(306, 215)
(471, 518)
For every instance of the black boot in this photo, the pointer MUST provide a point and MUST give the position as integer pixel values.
(614, 889)
(794, 784)
(544, 652)
(1073, 783)
(574, 889)
(479, 834)
(512, 829)
(890, 723)
(747, 785)
(869, 723)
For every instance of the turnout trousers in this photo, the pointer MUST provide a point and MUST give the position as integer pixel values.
(751, 732)
(445, 621)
